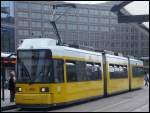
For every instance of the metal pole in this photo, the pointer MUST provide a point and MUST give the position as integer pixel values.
(3, 81)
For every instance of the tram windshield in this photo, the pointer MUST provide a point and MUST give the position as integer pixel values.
(34, 66)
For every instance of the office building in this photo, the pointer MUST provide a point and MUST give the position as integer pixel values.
(87, 25)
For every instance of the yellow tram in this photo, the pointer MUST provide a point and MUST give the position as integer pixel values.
(50, 75)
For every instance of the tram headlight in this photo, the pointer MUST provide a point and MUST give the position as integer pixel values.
(19, 89)
(44, 89)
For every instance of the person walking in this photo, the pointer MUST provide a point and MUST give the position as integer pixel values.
(146, 79)
(12, 86)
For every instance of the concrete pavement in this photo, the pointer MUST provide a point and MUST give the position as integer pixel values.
(6, 104)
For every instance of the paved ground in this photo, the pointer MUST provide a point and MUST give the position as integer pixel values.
(135, 101)
(7, 99)
(6, 104)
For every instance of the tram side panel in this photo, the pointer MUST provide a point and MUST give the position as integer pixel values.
(84, 79)
(117, 75)
(136, 74)
(32, 94)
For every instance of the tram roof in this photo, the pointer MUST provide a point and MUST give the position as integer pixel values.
(47, 43)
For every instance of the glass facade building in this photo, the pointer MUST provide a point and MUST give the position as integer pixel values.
(7, 26)
(87, 25)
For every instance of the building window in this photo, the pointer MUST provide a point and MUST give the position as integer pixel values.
(36, 15)
(105, 13)
(36, 24)
(93, 12)
(47, 25)
(46, 17)
(36, 33)
(104, 21)
(62, 18)
(112, 29)
(143, 36)
(83, 19)
(93, 20)
(47, 8)
(49, 34)
(83, 11)
(113, 14)
(7, 39)
(23, 14)
(72, 18)
(105, 29)
(93, 28)
(72, 27)
(23, 32)
(72, 11)
(60, 26)
(61, 10)
(36, 7)
(22, 5)
(23, 23)
(83, 27)
(113, 21)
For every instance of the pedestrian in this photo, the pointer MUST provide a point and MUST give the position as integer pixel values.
(12, 86)
(146, 79)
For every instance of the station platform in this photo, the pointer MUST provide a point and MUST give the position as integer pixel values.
(6, 104)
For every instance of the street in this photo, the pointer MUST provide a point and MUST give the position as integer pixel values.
(134, 101)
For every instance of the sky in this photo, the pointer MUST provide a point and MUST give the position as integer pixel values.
(136, 7)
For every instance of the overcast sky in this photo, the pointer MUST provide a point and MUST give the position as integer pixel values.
(136, 7)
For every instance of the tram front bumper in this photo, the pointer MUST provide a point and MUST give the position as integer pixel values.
(33, 99)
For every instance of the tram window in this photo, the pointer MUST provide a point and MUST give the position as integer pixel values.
(89, 72)
(58, 71)
(118, 71)
(111, 70)
(134, 71)
(122, 72)
(125, 72)
(93, 71)
(137, 71)
(81, 72)
(141, 71)
(71, 71)
(97, 72)
(121, 68)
